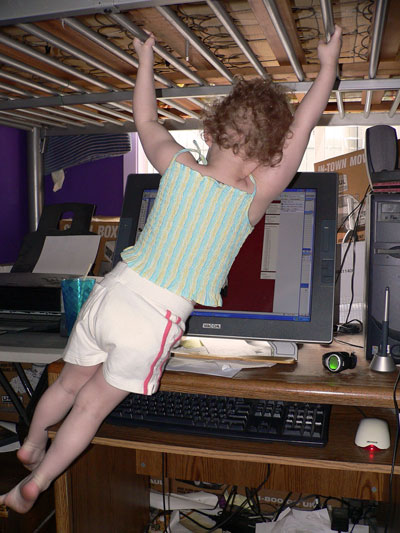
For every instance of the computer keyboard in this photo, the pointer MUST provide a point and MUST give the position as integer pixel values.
(221, 416)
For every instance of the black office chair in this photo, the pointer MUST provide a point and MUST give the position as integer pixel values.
(382, 158)
(33, 242)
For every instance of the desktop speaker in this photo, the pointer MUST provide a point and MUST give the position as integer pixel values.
(383, 258)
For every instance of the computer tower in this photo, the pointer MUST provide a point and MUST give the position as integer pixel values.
(383, 257)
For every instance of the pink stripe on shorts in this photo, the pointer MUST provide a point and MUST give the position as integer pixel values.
(163, 347)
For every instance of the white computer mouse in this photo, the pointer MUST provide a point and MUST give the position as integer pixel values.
(373, 432)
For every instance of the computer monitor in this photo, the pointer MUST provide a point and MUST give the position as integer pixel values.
(281, 285)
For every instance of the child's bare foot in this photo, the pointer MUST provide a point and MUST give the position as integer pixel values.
(30, 455)
(22, 497)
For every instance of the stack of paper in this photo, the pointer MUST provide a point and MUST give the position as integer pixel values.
(219, 356)
(226, 349)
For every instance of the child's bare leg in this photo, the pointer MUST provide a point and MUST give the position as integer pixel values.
(55, 403)
(93, 403)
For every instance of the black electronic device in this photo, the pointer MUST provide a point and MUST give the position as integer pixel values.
(31, 248)
(382, 158)
(339, 361)
(281, 285)
(30, 301)
(383, 266)
(139, 196)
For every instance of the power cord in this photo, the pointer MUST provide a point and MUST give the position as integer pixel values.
(352, 241)
(230, 512)
(340, 341)
(163, 468)
(282, 507)
(396, 443)
(244, 504)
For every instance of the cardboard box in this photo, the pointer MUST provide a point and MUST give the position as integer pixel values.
(351, 286)
(107, 227)
(353, 184)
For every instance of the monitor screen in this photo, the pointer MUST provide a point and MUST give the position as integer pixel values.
(281, 284)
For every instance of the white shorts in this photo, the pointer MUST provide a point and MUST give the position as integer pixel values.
(130, 325)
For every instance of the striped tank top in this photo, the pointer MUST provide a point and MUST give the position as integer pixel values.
(192, 235)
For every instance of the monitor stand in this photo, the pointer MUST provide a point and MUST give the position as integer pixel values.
(284, 349)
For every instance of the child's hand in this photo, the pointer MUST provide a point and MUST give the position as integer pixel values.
(144, 49)
(328, 53)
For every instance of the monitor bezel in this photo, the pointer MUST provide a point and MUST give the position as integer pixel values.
(136, 185)
(320, 327)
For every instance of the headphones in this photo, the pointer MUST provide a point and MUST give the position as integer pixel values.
(338, 361)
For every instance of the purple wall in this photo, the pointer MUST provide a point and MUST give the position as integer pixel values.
(13, 192)
(100, 182)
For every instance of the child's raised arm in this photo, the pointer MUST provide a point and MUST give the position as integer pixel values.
(305, 119)
(157, 142)
(315, 101)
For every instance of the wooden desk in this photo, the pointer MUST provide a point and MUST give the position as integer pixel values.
(106, 489)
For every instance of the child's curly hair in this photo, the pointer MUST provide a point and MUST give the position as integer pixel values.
(255, 116)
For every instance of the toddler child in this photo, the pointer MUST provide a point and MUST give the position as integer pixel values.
(200, 219)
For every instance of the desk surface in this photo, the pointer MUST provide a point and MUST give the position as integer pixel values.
(306, 381)
(31, 347)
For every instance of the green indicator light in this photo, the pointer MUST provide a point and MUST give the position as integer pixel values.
(333, 362)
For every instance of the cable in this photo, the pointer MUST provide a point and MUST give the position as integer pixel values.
(282, 507)
(396, 408)
(360, 411)
(163, 471)
(353, 210)
(254, 503)
(347, 343)
(352, 241)
(354, 231)
(227, 519)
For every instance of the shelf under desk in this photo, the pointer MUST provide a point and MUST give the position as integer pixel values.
(335, 455)
(122, 457)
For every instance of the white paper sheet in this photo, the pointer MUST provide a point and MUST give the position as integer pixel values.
(295, 521)
(68, 254)
(192, 500)
(211, 367)
(197, 366)
(222, 347)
